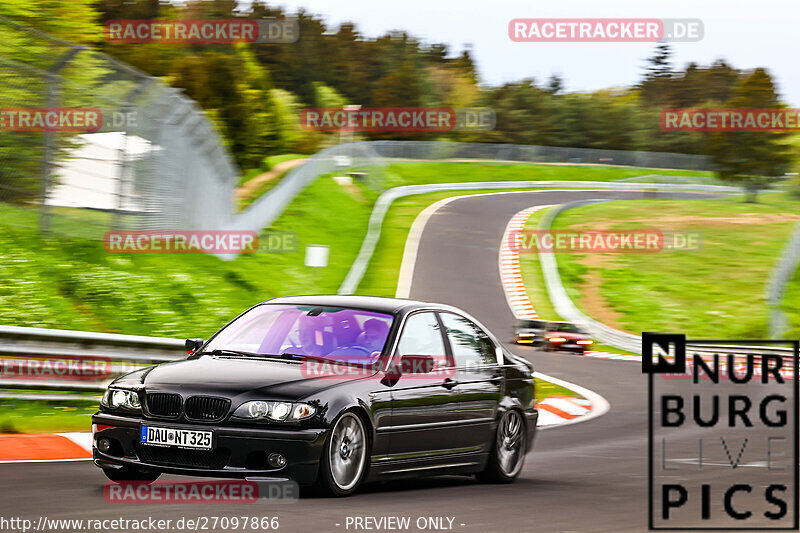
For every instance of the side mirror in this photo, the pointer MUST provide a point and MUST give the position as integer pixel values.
(192, 345)
(416, 364)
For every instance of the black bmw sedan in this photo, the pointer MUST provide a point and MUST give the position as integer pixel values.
(326, 390)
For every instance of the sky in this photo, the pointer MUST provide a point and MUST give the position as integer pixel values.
(747, 34)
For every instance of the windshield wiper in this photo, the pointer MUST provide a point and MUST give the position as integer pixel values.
(228, 352)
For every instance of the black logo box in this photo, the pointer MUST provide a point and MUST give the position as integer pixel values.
(678, 366)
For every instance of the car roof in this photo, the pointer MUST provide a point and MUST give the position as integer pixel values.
(371, 303)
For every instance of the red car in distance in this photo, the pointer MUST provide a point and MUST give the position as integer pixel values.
(567, 337)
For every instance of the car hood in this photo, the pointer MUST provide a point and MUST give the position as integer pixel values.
(231, 377)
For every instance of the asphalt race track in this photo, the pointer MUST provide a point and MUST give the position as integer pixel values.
(588, 476)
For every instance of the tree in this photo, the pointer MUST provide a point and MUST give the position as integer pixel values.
(658, 65)
(656, 85)
(752, 159)
(24, 83)
(556, 84)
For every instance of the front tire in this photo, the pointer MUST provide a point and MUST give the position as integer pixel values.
(344, 458)
(508, 452)
(130, 474)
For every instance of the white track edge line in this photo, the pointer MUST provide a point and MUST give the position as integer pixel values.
(600, 405)
(412, 245)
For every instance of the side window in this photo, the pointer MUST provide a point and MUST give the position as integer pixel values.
(421, 336)
(471, 346)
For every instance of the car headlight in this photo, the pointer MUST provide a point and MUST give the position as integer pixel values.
(276, 411)
(121, 398)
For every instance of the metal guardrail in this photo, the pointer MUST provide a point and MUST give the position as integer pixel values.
(31, 358)
(564, 305)
(359, 266)
(566, 308)
(128, 352)
(778, 280)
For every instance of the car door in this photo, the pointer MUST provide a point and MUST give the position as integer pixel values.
(424, 406)
(479, 380)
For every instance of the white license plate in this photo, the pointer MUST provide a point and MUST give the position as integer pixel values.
(180, 438)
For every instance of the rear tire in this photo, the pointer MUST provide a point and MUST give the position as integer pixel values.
(508, 452)
(344, 457)
(130, 474)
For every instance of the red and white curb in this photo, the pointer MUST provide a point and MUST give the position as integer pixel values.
(510, 275)
(45, 447)
(553, 410)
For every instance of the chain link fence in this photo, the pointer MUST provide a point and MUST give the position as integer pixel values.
(154, 161)
(427, 150)
(89, 144)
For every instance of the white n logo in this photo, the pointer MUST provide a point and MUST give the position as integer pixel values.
(659, 354)
(663, 353)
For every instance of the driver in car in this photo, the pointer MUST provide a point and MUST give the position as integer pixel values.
(373, 336)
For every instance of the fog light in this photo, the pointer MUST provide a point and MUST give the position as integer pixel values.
(276, 460)
(104, 445)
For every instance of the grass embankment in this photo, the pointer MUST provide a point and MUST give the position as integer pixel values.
(717, 292)
(545, 389)
(75, 284)
(25, 416)
(267, 164)
(384, 268)
(72, 283)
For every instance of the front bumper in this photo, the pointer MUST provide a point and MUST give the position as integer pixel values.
(239, 452)
(568, 347)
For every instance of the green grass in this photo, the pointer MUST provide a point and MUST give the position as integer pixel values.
(717, 292)
(384, 269)
(262, 189)
(75, 284)
(25, 416)
(419, 173)
(72, 283)
(545, 389)
(266, 165)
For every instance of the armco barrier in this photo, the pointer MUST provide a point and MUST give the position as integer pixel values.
(124, 353)
(778, 280)
(359, 266)
(129, 352)
(565, 307)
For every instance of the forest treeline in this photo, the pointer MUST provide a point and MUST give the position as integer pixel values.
(254, 92)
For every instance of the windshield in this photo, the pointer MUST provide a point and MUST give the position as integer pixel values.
(336, 333)
(532, 324)
(567, 328)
